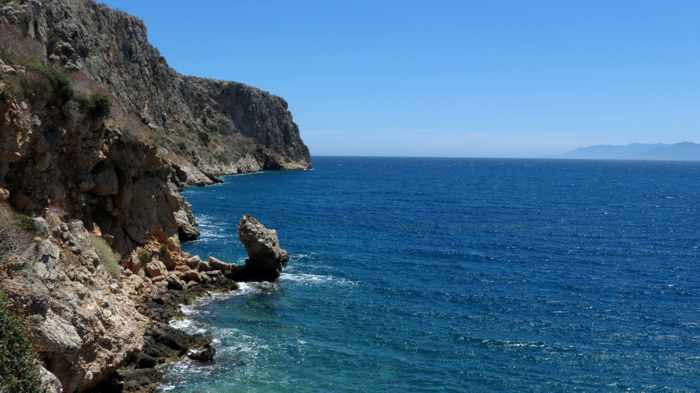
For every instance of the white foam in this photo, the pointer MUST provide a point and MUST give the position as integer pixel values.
(298, 257)
(188, 309)
(181, 324)
(315, 279)
(240, 344)
(211, 229)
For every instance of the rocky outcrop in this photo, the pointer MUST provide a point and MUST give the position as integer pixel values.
(83, 314)
(266, 258)
(265, 262)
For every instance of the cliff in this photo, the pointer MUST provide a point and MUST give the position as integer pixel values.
(165, 130)
(97, 136)
(207, 127)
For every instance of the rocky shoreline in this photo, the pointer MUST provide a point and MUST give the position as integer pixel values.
(164, 344)
(98, 135)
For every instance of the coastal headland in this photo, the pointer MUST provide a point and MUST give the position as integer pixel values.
(98, 136)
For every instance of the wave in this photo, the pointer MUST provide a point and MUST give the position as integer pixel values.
(234, 348)
(210, 229)
(307, 279)
(300, 256)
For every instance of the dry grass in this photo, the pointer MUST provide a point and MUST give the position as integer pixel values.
(108, 258)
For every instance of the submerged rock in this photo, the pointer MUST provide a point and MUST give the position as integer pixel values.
(266, 258)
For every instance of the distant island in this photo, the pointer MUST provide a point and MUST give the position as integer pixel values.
(683, 151)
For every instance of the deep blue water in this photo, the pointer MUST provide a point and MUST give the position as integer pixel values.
(459, 275)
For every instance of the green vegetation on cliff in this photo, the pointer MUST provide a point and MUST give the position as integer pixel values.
(18, 372)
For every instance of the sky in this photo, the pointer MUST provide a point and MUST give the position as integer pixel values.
(450, 78)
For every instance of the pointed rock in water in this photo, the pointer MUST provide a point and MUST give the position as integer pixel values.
(266, 258)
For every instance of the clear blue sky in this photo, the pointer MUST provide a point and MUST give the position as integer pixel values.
(450, 78)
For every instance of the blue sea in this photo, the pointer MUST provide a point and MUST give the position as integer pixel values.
(457, 275)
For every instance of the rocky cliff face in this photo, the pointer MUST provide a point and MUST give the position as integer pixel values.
(206, 127)
(165, 130)
(97, 136)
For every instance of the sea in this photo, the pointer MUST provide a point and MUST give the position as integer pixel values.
(456, 275)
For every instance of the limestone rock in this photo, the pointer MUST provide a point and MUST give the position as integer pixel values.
(194, 263)
(266, 258)
(56, 335)
(155, 268)
(187, 228)
(174, 282)
(191, 276)
(48, 382)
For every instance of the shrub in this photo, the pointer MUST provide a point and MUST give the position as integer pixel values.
(108, 258)
(97, 106)
(59, 82)
(145, 257)
(18, 373)
(43, 81)
(204, 137)
(13, 237)
(28, 224)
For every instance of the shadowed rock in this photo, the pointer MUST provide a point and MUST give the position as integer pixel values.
(266, 258)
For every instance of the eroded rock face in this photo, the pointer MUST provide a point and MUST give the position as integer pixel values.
(84, 319)
(266, 258)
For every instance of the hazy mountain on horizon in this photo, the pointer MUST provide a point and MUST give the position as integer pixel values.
(683, 151)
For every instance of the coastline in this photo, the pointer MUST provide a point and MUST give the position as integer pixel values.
(96, 145)
(165, 344)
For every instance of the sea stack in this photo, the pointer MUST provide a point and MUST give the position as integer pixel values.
(266, 258)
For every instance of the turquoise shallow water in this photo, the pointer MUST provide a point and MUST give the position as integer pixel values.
(458, 275)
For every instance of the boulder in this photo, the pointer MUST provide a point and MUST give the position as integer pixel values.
(194, 262)
(48, 382)
(204, 355)
(175, 283)
(266, 258)
(146, 361)
(4, 194)
(191, 276)
(155, 268)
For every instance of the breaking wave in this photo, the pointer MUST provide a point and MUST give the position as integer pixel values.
(314, 279)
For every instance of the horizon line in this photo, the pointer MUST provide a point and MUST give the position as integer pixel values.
(558, 158)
